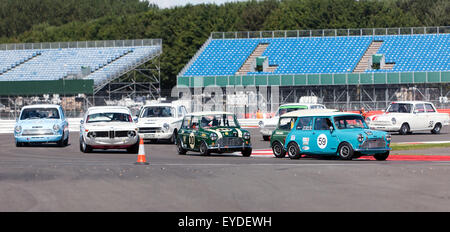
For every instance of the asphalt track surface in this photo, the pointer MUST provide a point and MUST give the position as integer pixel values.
(49, 178)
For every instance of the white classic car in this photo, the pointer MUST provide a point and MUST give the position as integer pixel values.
(408, 116)
(267, 126)
(108, 127)
(160, 121)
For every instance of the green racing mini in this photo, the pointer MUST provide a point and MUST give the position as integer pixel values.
(213, 132)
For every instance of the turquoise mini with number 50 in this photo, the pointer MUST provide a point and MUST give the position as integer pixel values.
(345, 135)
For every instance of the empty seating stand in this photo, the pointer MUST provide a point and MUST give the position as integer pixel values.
(54, 64)
(315, 55)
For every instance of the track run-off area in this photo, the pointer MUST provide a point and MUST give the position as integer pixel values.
(50, 178)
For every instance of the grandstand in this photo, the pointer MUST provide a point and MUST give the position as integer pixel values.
(99, 61)
(346, 68)
(93, 70)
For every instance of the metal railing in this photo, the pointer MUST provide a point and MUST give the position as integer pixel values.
(82, 44)
(331, 32)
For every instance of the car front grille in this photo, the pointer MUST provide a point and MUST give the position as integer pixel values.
(230, 141)
(121, 134)
(31, 132)
(373, 143)
(149, 129)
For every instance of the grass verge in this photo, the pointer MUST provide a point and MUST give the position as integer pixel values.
(401, 146)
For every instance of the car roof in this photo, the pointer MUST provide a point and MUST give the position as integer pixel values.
(301, 104)
(160, 104)
(316, 112)
(207, 113)
(42, 106)
(411, 102)
(100, 109)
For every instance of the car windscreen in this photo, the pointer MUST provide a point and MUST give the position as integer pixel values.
(350, 122)
(108, 117)
(218, 120)
(40, 113)
(399, 108)
(158, 112)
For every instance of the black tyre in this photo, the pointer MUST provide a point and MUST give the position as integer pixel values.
(293, 151)
(66, 142)
(381, 156)
(181, 150)
(404, 129)
(134, 149)
(60, 143)
(204, 149)
(19, 144)
(345, 151)
(278, 150)
(247, 152)
(84, 147)
(437, 129)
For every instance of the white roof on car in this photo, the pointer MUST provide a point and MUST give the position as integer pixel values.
(207, 113)
(104, 109)
(411, 102)
(41, 106)
(301, 104)
(316, 112)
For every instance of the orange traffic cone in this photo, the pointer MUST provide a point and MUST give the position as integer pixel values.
(141, 154)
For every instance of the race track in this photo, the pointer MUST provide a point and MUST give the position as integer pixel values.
(49, 178)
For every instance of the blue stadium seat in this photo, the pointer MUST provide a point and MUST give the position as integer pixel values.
(410, 53)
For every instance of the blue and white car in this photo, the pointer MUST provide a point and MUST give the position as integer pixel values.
(42, 124)
(338, 134)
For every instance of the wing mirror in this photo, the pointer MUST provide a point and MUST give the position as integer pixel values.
(82, 121)
(331, 129)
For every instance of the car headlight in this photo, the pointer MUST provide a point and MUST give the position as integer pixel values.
(367, 120)
(213, 136)
(56, 127)
(394, 121)
(388, 137)
(360, 138)
(166, 126)
(92, 134)
(18, 129)
(247, 135)
(131, 134)
(261, 124)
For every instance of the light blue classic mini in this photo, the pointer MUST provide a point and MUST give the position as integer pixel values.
(344, 135)
(41, 124)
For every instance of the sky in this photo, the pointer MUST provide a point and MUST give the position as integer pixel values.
(172, 3)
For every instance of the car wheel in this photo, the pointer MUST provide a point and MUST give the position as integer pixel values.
(84, 147)
(66, 141)
(293, 151)
(381, 156)
(134, 149)
(345, 151)
(247, 152)
(404, 129)
(437, 129)
(173, 138)
(278, 150)
(181, 150)
(204, 149)
(19, 144)
(60, 143)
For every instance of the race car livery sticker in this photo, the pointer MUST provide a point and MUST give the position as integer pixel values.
(322, 141)
(305, 140)
(192, 140)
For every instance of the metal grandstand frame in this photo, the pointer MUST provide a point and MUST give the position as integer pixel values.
(140, 78)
